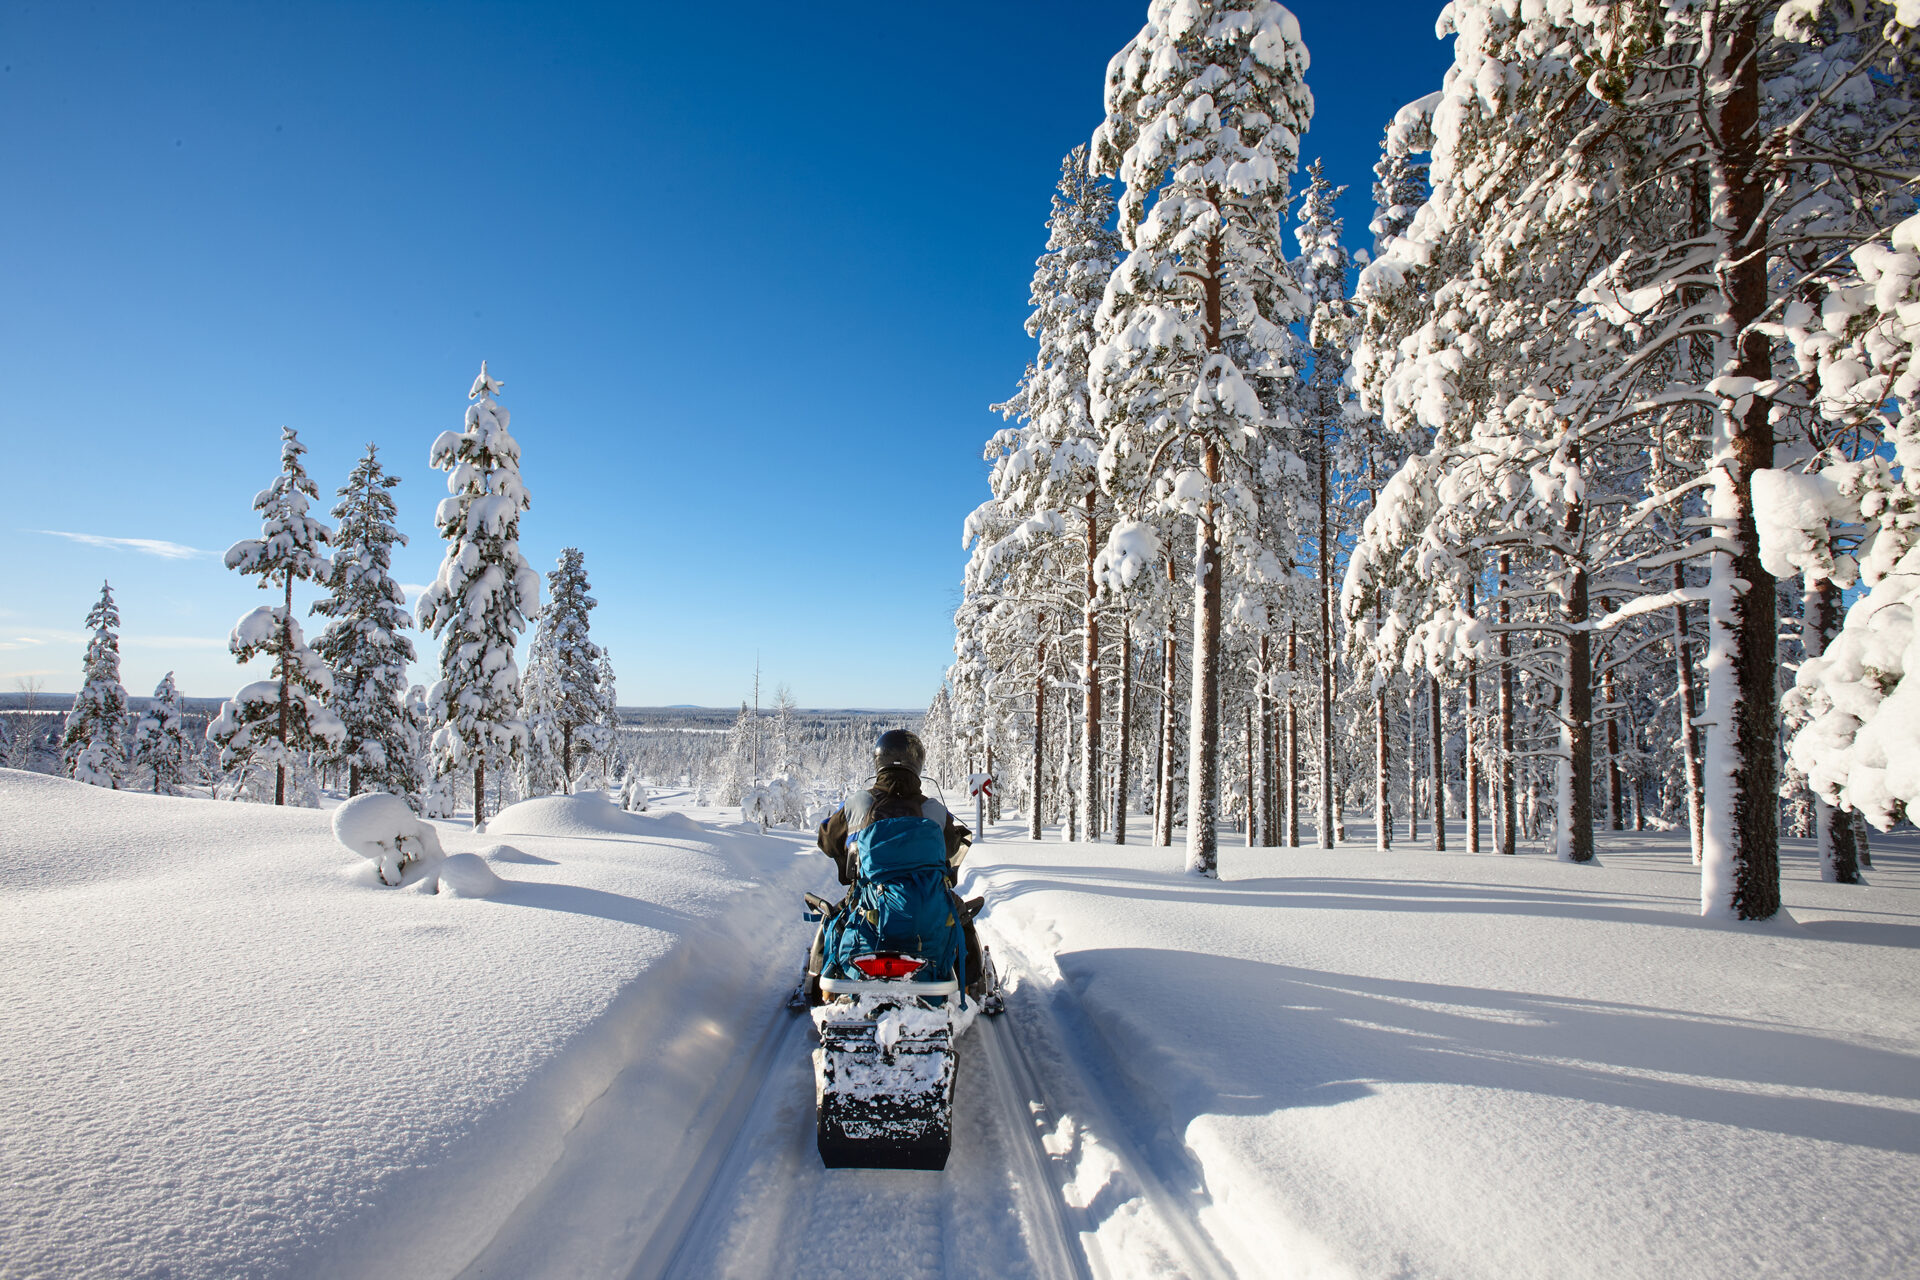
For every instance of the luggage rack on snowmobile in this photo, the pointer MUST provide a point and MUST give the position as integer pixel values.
(876, 987)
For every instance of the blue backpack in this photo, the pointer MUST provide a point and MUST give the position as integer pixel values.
(899, 900)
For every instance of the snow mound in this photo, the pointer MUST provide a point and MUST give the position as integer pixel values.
(382, 829)
(507, 853)
(674, 820)
(587, 814)
(466, 875)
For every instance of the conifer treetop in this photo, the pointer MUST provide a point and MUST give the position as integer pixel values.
(290, 541)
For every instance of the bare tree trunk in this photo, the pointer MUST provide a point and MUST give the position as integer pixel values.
(1169, 723)
(566, 758)
(1576, 813)
(1740, 874)
(1689, 734)
(1413, 762)
(1125, 745)
(1616, 814)
(1037, 798)
(1267, 806)
(1293, 739)
(1382, 765)
(1090, 737)
(286, 693)
(1472, 735)
(1325, 586)
(1070, 811)
(1507, 805)
(993, 796)
(1439, 766)
(1203, 741)
(479, 794)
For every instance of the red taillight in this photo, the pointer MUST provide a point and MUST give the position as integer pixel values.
(889, 964)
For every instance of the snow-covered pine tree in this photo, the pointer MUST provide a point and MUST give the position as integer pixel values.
(1051, 463)
(269, 720)
(1205, 107)
(564, 705)
(161, 751)
(366, 643)
(1322, 271)
(481, 599)
(93, 748)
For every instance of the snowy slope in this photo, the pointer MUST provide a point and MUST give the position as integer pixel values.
(228, 1053)
(1420, 1064)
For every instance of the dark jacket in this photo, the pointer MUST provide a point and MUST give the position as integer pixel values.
(894, 794)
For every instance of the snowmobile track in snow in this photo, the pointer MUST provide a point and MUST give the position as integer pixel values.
(1176, 1208)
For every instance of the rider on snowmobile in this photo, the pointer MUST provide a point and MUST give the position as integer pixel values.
(898, 758)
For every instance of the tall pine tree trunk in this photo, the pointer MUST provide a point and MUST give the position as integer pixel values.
(566, 758)
(1039, 737)
(1163, 798)
(1616, 814)
(1575, 816)
(1439, 766)
(1413, 762)
(1203, 734)
(1265, 699)
(1326, 657)
(1090, 735)
(1125, 743)
(1293, 738)
(286, 693)
(1472, 738)
(1382, 764)
(1689, 733)
(1740, 871)
(1508, 806)
(479, 794)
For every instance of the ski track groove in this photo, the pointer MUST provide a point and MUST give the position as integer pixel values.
(764, 1207)
(1176, 1207)
(670, 1239)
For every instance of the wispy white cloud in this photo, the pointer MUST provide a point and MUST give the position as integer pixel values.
(145, 546)
(20, 642)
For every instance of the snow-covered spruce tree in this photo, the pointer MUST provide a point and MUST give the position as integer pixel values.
(268, 720)
(483, 595)
(566, 709)
(93, 748)
(1204, 107)
(1051, 461)
(366, 643)
(161, 753)
(1322, 271)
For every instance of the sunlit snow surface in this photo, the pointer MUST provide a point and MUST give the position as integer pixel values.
(228, 1053)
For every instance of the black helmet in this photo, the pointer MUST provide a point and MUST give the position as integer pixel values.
(898, 746)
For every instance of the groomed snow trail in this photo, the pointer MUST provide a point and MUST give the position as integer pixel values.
(1029, 1190)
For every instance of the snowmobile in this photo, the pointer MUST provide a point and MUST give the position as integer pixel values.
(884, 1068)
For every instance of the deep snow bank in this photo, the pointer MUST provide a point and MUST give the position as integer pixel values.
(227, 1054)
(1462, 1065)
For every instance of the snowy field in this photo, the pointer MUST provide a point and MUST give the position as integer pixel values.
(230, 1054)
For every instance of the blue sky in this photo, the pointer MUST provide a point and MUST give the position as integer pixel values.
(751, 276)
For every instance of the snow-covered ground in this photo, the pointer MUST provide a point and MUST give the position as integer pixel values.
(228, 1053)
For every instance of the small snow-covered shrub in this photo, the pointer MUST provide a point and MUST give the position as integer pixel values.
(780, 800)
(382, 829)
(439, 801)
(633, 792)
